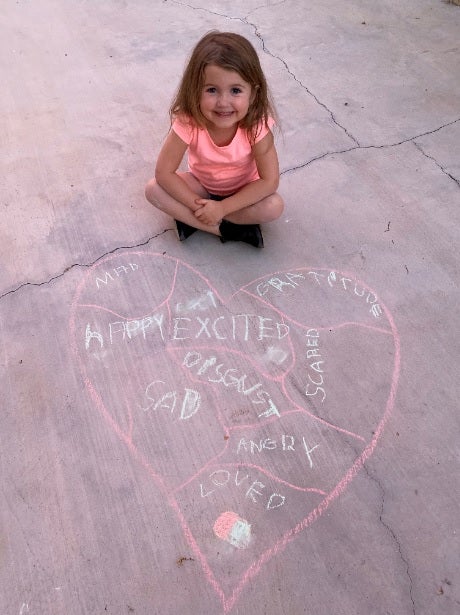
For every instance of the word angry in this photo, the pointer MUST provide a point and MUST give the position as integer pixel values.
(284, 443)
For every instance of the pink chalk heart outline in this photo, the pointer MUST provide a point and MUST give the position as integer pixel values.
(252, 413)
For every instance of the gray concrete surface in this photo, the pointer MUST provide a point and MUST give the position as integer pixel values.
(164, 448)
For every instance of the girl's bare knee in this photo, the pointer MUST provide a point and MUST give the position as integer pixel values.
(153, 193)
(149, 189)
(274, 207)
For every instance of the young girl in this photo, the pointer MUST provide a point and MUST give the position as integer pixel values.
(223, 116)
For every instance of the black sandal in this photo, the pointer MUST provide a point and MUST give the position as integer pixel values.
(248, 233)
(184, 230)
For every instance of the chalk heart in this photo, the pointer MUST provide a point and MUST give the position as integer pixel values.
(252, 412)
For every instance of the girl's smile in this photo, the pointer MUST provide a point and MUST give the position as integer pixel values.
(225, 98)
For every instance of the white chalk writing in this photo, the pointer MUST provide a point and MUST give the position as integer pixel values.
(189, 400)
(116, 273)
(284, 443)
(335, 280)
(240, 327)
(230, 378)
(316, 379)
(131, 328)
(89, 335)
(279, 283)
(203, 302)
(255, 492)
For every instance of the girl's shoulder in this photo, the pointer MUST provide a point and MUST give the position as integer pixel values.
(183, 120)
(262, 129)
(184, 127)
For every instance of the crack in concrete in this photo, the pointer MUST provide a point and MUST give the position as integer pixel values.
(384, 146)
(358, 146)
(393, 535)
(302, 85)
(245, 20)
(420, 149)
(87, 265)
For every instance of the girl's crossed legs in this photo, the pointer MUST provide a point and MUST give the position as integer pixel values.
(266, 210)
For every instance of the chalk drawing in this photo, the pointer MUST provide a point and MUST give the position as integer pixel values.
(315, 377)
(231, 378)
(252, 489)
(116, 272)
(187, 402)
(266, 402)
(285, 443)
(231, 527)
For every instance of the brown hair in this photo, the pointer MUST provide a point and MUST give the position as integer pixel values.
(232, 52)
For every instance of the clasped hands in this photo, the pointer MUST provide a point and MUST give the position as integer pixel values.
(209, 212)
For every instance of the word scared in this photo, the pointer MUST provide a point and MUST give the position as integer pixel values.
(315, 373)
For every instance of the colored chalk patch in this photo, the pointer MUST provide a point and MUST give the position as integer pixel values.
(233, 529)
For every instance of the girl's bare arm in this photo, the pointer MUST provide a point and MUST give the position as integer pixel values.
(168, 162)
(268, 168)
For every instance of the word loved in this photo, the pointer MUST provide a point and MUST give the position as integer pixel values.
(241, 327)
(188, 400)
(221, 478)
(117, 272)
(230, 378)
(315, 376)
(289, 280)
(337, 280)
(285, 443)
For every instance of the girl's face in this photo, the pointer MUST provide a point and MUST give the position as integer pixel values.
(225, 97)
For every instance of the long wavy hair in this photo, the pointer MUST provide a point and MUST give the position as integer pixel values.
(229, 51)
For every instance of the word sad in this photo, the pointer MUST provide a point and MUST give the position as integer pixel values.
(189, 401)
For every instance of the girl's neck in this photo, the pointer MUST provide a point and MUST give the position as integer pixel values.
(222, 136)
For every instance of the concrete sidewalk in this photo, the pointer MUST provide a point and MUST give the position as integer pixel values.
(206, 428)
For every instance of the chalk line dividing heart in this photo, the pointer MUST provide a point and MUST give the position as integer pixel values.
(120, 292)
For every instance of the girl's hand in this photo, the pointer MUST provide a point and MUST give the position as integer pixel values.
(210, 212)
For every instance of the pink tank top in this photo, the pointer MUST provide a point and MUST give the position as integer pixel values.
(221, 170)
